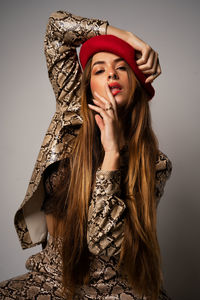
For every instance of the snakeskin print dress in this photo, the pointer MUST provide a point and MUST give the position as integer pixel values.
(106, 210)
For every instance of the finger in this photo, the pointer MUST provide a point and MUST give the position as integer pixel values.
(146, 68)
(112, 100)
(100, 110)
(99, 103)
(155, 64)
(151, 78)
(99, 122)
(106, 104)
(153, 70)
(145, 55)
(110, 96)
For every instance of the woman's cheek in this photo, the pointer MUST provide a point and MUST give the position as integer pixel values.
(95, 86)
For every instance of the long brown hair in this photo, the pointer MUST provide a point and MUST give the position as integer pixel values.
(140, 255)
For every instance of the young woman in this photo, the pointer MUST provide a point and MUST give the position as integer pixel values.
(99, 174)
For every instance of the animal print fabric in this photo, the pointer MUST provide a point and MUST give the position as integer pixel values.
(65, 32)
(106, 209)
(105, 236)
(44, 282)
(105, 217)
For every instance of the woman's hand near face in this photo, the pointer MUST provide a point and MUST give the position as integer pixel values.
(147, 61)
(108, 123)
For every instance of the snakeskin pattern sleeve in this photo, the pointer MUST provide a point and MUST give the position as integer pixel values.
(105, 217)
(163, 172)
(64, 33)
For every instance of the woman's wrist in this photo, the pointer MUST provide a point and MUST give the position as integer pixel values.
(125, 35)
(111, 161)
(120, 33)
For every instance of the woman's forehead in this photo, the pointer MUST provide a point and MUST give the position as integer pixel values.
(106, 57)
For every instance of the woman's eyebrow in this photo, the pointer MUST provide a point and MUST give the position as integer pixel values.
(101, 62)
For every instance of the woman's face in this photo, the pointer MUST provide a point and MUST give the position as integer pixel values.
(108, 68)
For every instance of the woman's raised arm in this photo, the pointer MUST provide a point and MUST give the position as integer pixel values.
(65, 32)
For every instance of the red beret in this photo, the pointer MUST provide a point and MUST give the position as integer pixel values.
(113, 44)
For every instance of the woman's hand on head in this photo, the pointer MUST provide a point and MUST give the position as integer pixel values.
(107, 120)
(147, 58)
(147, 61)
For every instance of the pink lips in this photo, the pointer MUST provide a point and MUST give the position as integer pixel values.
(115, 88)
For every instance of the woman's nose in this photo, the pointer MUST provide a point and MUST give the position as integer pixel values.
(112, 75)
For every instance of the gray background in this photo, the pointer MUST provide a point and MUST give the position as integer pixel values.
(27, 105)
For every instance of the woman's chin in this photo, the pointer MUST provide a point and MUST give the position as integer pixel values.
(120, 101)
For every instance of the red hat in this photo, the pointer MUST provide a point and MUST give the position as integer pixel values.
(113, 44)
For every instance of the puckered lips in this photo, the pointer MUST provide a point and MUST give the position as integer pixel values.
(115, 88)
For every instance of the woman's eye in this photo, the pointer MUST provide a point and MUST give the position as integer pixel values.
(122, 68)
(98, 72)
